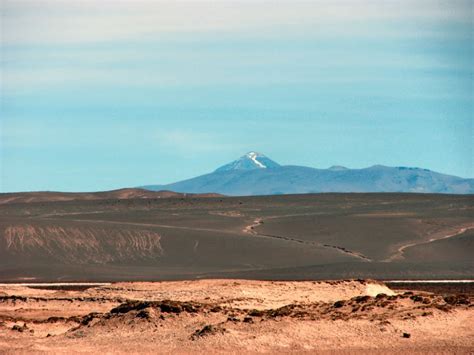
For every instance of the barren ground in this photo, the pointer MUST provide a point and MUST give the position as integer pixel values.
(235, 316)
(292, 237)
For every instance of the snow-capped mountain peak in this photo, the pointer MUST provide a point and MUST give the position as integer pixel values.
(251, 160)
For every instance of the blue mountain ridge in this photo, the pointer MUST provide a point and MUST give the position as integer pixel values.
(255, 174)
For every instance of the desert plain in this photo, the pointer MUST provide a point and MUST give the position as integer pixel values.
(136, 272)
(134, 235)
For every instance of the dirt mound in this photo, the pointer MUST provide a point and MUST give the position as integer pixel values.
(207, 330)
(165, 306)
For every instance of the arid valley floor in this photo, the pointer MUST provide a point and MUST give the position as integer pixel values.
(214, 274)
(134, 235)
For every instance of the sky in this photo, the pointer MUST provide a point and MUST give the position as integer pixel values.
(98, 95)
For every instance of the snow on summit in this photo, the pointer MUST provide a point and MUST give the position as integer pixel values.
(250, 161)
(253, 156)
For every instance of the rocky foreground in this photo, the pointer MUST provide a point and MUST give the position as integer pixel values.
(215, 316)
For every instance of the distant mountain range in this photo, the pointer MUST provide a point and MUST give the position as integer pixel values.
(121, 194)
(256, 174)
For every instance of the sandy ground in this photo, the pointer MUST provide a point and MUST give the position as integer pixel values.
(235, 316)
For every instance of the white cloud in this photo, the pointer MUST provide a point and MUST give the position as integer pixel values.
(49, 40)
(66, 21)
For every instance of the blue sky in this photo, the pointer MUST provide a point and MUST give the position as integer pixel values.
(103, 95)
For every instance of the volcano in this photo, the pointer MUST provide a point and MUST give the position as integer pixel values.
(256, 174)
